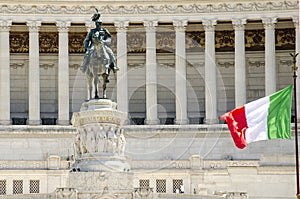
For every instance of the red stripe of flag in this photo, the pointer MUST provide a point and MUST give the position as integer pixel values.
(237, 124)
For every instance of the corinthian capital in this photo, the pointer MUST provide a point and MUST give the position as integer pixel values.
(121, 26)
(180, 25)
(5, 25)
(296, 21)
(239, 24)
(34, 25)
(209, 25)
(269, 22)
(150, 25)
(63, 26)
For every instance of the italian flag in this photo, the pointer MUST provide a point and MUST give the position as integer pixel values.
(263, 119)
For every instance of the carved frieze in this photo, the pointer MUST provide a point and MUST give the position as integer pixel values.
(195, 40)
(285, 39)
(19, 42)
(76, 42)
(136, 42)
(165, 41)
(254, 40)
(225, 40)
(48, 42)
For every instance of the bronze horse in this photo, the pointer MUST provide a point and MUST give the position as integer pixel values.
(98, 66)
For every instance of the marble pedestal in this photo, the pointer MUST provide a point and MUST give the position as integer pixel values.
(100, 164)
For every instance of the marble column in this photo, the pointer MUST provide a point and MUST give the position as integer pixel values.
(34, 74)
(63, 73)
(297, 50)
(4, 73)
(151, 73)
(122, 79)
(210, 73)
(240, 62)
(180, 73)
(270, 56)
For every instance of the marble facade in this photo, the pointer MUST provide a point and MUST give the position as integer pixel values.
(182, 65)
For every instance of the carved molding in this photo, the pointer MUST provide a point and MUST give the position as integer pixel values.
(150, 9)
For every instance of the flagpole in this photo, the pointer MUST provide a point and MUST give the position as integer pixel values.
(294, 55)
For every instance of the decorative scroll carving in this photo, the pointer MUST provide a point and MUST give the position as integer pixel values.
(48, 42)
(19, 42)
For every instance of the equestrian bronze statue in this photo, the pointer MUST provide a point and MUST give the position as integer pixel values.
(99, 59)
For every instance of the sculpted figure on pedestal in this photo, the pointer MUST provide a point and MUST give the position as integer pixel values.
(121, 143)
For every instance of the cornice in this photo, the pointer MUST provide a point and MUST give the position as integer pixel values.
(121, 8)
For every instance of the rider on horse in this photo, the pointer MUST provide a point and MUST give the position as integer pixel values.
(105, 37)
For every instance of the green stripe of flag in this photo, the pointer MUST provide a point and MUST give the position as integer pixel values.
(279, 114)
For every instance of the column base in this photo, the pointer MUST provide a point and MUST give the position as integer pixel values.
(34, 122)
(5, 122)
(152, 122)
(63, 122)
(182, 121)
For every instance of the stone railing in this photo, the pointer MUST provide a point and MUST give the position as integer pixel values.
(52, 163)
(28, 196)
(188, 164)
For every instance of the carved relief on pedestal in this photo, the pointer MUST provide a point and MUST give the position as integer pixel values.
(99, 140)
(66, 193)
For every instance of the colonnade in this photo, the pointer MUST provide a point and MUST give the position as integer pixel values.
(151, 69)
